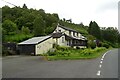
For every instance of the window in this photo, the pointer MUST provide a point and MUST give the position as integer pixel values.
(73, 33)
(70, 33)
(77, 34)
(63, 39)
(59, 30)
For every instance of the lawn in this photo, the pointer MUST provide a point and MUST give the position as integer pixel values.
(73, 54)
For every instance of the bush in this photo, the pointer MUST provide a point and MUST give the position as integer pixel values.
(63, 53)
(51, 53)
(63, 48)
(55, 45)
(99, 49)
(105, 45)
(91, 44)
(100, 44)
(87, 52)
(91, 51)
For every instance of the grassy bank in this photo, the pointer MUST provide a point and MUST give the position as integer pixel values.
(73, 54)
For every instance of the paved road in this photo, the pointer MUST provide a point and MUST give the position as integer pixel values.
(35, 67)
(108, 67)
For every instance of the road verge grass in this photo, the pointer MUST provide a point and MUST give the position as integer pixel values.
(75, 54)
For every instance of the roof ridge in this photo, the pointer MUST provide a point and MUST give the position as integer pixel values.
(68, 28)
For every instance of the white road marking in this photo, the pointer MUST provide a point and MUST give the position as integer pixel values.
(98, 73)
(102, 59)
(100, 66)
(105, 54)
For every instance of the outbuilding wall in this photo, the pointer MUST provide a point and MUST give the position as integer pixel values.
(44, 46)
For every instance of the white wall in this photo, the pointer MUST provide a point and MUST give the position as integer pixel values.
(44, 46)
(59, 41)
(62, 42)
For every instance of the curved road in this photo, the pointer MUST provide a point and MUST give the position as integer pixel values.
(105, 66)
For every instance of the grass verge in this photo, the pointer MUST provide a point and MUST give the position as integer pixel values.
(80, 54)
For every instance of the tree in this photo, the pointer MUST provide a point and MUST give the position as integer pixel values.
(39, 26)
(6, 13)
(24, 6)
(110, 34)
(81, 24)
(64, 19)
(94, 30)
(50, 19)
(56, 15)
(25, 30)
(9, 27)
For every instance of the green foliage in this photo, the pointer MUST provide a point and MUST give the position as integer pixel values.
(94, 30)
(34, 21)
(91, 44)
(92, 51)
(110, 34)
(77, 54)
(87, 52)
(51, 53)
(90, 37)
(9, 27)
(105, 45)
(55, 45)
(25, 30)
(17, 38)
(60, 51)
(39, 26)
(38, 23)
(100, 44)
(98, 49)
(82, 29)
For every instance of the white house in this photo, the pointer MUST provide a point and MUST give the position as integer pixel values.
(65, 36)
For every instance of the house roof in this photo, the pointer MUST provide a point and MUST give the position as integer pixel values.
(77, 38)
(57, 35)
(66, 28)
(35, 40)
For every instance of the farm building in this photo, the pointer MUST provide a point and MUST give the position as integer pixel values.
(35, 45)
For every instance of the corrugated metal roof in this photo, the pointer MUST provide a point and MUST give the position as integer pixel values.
(35, 40)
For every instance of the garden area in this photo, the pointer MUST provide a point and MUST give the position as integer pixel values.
(69, 53)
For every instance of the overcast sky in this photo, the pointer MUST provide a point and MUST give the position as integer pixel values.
(104, 12)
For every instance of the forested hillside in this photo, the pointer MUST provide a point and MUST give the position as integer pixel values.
(19, 24)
